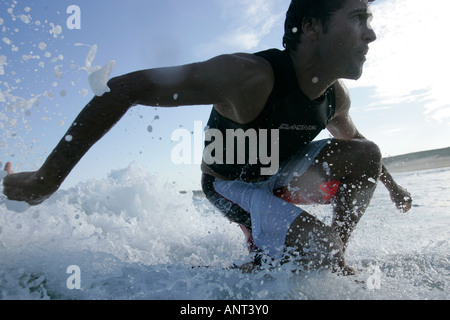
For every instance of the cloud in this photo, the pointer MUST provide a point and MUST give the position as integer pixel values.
(409, 61)
(3, 63)
(250, 22)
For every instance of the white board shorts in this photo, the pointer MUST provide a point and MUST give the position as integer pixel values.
(271, 217)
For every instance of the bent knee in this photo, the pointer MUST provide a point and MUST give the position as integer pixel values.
(356, 157)
(373, 151)
(372, 158)
(364, 149)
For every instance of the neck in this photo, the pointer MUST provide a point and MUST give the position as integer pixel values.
(313, 74)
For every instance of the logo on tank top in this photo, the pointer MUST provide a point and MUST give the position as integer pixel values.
(297, 127)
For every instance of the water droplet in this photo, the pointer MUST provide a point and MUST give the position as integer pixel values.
(68, 138)
(150, 129)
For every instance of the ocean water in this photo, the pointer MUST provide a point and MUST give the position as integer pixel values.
(134, 236)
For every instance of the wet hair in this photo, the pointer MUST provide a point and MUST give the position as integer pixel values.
(301, 10)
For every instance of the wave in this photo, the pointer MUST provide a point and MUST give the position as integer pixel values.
(135, 236)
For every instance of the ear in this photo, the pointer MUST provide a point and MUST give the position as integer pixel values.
(311, 28)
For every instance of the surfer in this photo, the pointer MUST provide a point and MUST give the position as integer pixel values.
(293, 95)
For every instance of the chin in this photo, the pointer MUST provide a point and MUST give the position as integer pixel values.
(354, 74)
(357, 77)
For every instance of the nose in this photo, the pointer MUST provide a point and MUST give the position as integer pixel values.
(370, 35)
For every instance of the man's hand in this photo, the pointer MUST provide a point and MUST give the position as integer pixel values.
(30, 187)
(399, 195)
(401, 198)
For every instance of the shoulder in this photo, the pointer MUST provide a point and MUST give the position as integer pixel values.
(241, 67)
(246, 81)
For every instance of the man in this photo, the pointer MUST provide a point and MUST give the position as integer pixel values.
(293, 94)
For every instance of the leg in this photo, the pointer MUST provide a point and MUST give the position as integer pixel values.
(280, 229)
(230, 210)
(356, 164)
(313, 244)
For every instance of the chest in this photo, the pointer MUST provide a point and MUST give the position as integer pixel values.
(294, 112)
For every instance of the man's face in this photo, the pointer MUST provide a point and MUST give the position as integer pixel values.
(347, 39)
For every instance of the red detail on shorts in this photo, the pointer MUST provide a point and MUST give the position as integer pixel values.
(327, 192)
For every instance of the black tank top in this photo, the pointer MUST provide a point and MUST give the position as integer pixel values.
(298, 120)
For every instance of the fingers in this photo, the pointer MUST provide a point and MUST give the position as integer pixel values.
(8, 167)
(402, 199)
(406, 205)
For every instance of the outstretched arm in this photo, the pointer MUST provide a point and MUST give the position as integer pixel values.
(99, 115)
(165, 87)
(220, 81)
(92, 123)
(342, 127)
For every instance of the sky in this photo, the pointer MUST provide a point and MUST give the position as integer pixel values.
(46, 57)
